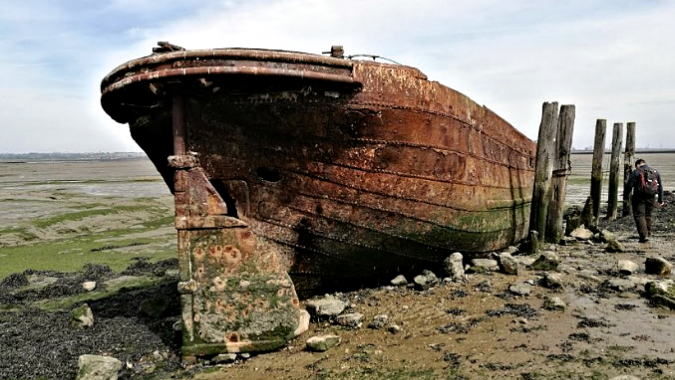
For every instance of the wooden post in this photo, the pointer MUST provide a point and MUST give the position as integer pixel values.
(628, 157)
(614, 171)
(554, 221)
(541, 193)
(596, 172)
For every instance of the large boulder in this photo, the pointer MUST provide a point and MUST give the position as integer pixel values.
(94, 367)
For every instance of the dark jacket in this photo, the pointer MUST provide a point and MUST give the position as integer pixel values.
(634, 180)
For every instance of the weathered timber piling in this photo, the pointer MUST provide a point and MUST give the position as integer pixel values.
(596, 172)
(628, 157)
(561, 170)
(541, 193)
(614, 172)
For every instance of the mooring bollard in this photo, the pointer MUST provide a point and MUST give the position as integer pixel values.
(554, 230)
(614, 172)
(628, 157)
(596, 171)
(541, 193)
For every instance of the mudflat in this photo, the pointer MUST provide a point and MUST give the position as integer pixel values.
(64, 224)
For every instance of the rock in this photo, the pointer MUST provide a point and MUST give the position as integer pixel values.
(572, 222)
(615, 246)
(325, 307)
(454, 266)
(639, 281)
(82, 317)
(582, 234)
(548, 260)
(586, 217)
(94, 367)
(224, 359)
(353, 320)
(89, 285)
(555, 304)
(244, 355)
(154, 307)
(568, 240)
(552, 281)
(487, 264)
(425, 280)
(658, 266)
(508, 264)
(620, 284)
(607, 236)
(399, 280)
(526, 261)
(303, 325)
(511, 250)
(379, 322)
(322, 343)
(627, 267)
(661, 293)
(394, 329)
(625, 377)
(520, 289)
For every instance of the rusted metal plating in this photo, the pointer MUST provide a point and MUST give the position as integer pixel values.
(235, 294)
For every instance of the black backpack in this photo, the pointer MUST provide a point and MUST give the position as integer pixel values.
(647, 185)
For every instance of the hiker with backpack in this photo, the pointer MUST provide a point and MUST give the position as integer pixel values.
(647, 184)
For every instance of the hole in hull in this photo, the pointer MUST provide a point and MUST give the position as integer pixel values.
(230, 202)
(268, 174)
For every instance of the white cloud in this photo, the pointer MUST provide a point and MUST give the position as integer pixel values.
(611, 59)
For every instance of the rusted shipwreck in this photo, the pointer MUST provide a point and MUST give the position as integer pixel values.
(295, 171)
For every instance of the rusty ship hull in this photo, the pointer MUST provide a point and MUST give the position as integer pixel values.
(354, 170)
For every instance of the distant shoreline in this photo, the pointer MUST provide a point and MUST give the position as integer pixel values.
(638, 151)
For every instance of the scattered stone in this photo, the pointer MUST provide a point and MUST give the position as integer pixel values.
(425, 280)
(379, 322)
(619, 284)
(454, 266)
(548, 260)
(607, 236)
(82, 317)
(526, 261)
(94, 367)
(394, 329)
(658, 266)
(303, 324)
(353, 320)
(582, 234)
(511, 250)
(325, 307)
(244, 355)
(399, 280)
(521, 289)
(322, 343)
(552, 281)
(639, 281)
(487, 264)
(89, 285)
(625, 377)
(224, 359)
(554, 304)
(614, 246)
(484, 286)
(627, 267)
(661, 293)
(508, 264)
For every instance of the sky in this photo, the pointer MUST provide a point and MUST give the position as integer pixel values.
(611, 59)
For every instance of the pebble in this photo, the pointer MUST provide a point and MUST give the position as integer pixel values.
(89, 285)
(521, 289)
(555, 304)
(399, 280)
(627, 267)
(552, 281)
(508, 264)
(328, 306)
(82, 317)
(425, 280)
(394, 329)
(453, 266)
(322, 343)
(658, 266)
(350, 320)
(379, 322)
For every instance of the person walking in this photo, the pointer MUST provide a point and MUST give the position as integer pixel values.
(645, 183)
